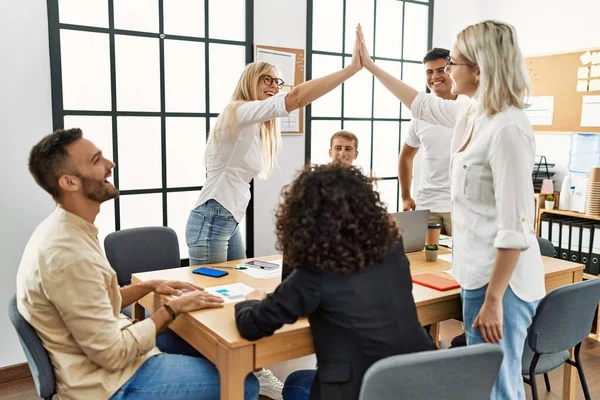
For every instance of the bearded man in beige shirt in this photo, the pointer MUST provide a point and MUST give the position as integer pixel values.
(68, 292)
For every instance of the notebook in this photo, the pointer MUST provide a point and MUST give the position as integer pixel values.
(435, 282)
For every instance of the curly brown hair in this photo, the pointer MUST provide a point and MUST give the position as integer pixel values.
(332, 219)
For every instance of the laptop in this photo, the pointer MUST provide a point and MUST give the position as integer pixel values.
(414, 224)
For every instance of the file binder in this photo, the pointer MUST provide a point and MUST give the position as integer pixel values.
(575, 242)
(595, 256)
(546, 228)
(587, 235)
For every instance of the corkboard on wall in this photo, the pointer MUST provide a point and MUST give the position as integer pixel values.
(556, 75)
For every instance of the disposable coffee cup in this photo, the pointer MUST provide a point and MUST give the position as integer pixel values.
(433, 233)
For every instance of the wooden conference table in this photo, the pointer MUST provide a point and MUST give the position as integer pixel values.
(214, 333)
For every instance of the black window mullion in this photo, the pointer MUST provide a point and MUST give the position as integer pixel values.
(113, 107)
(343, 59)
(250, 58)
(163, 120)
(55, 66)
(206, 72)
(310, 52)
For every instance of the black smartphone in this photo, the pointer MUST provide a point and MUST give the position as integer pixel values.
(214, 273)
(262, 265)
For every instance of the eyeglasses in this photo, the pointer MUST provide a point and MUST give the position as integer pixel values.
(450, 63)
(268, 80)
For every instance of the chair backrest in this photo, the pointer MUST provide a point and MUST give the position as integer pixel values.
(546, 247)
(36, 354)
(564, 317)
(141, 250)
(462, 373)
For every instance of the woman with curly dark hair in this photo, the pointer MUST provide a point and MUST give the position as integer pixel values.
(350, 277)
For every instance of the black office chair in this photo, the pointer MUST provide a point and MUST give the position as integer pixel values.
(562, 321)
(144, 249)
(37, 356)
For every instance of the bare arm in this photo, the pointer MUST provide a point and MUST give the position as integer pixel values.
(405, 173)
(402, 91)
(489, 319)
(309, 91)
(132, 293)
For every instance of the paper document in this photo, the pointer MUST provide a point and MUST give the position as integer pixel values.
(582, 86)
(586, 58)
(445, 257)
(445, 241)
(541, 110)
(594, 85)
(230, 293)
(595, 72)
(596, 57)
(590, 111)
(583, 73)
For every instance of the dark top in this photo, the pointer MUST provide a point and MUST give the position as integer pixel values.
(356, 320)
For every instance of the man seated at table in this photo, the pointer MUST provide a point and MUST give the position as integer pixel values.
(68, 292)
(351, 278)
(343, 148)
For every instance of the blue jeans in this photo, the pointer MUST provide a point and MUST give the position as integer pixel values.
(297, 385)
(517, 316)
(213, 235)
(180, 375)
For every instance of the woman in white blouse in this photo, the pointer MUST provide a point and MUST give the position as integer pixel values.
(496, 257)
(244, 144)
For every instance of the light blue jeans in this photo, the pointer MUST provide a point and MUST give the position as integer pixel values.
(180, 375)
(517, 316)
(213, 235)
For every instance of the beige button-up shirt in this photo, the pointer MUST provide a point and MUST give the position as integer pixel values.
(68, 292)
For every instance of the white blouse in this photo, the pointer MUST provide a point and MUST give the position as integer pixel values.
(491, 191)
(230, 169)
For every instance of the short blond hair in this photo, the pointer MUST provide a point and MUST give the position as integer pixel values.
(346, 135)
(493, 46)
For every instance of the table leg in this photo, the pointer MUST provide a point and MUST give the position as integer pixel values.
(569, 377)
(434, 332)
(234, 365)
(138, 312)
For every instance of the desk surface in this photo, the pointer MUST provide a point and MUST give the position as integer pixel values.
(221, 322)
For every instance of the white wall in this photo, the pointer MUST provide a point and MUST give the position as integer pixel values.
(25, 116)
(283, 32)
(451, 16)
(549, 26)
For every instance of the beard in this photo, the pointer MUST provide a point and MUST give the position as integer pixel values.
(97, 190)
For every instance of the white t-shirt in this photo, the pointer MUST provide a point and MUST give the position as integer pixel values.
(433, 192)
(230, 169)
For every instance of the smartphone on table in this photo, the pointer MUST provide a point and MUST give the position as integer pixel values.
(214, 273)
(261, 264)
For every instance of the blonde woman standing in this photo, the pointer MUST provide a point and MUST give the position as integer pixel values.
(496, 257)
(243, 145)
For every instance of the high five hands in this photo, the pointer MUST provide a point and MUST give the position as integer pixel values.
(360, 53)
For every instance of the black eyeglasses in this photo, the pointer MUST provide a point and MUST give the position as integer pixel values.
(450, 63)
(268, 80)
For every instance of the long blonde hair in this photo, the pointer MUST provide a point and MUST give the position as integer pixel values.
(224, 131)
(493, 46)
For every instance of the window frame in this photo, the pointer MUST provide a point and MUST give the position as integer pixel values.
(309, 67)
(59, 113)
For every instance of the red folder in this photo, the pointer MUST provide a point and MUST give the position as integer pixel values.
(435, 282)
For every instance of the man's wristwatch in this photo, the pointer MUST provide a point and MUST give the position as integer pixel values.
(170, 311)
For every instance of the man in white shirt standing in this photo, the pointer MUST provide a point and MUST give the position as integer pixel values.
(433, 192)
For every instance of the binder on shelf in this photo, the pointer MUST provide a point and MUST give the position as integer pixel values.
(575, 242)
(555, 236)
(546, 228)
(565, 239)
(587, 236)
(595, 256)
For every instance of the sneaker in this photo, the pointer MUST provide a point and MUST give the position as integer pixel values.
(270, 386)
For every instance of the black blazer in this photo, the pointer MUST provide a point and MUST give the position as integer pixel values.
(356, 320)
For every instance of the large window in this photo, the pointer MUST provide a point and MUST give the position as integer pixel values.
(398, 35)
(145, 80)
